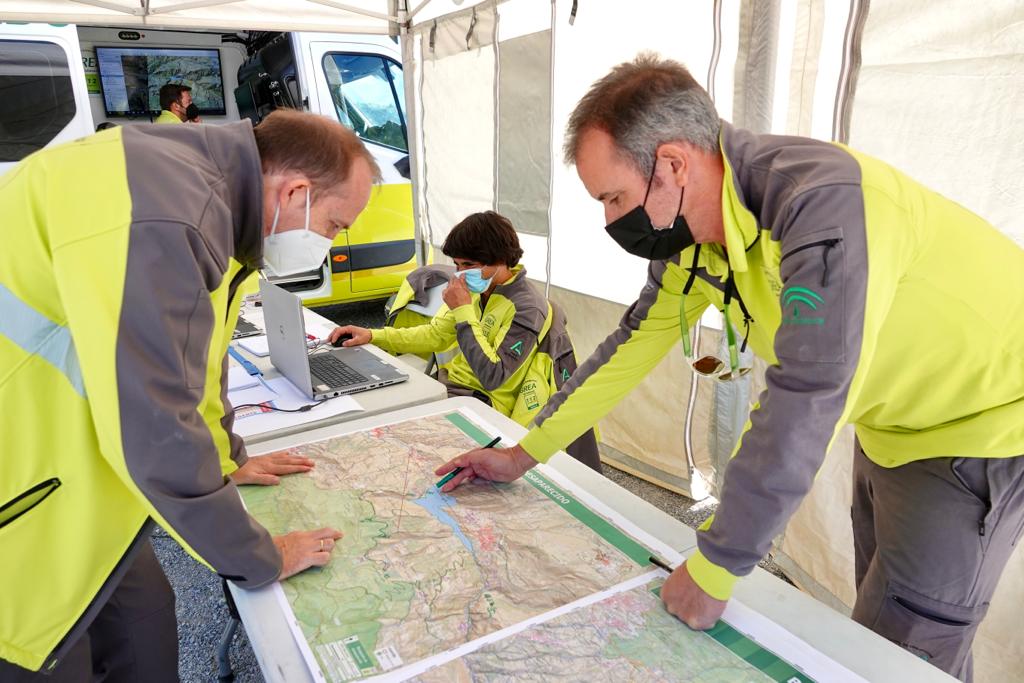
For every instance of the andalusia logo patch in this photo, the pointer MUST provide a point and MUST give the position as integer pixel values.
(799, 306)
(517, 348)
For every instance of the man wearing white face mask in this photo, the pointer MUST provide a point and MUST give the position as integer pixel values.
(126, 255)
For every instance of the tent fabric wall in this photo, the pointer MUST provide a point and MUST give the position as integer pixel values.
(920, 78)
(938, 95)
(524, 131)
(458, 63)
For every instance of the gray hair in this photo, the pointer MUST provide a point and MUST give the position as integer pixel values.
(643, 104)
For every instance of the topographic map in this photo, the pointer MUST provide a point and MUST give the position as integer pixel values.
(419, 572)
(627, 637)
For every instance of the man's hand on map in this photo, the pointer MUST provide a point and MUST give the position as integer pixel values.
(494, 464)
(266, 470)
(687, 601)
(304, 549)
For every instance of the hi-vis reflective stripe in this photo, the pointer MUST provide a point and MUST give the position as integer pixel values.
(36, 334)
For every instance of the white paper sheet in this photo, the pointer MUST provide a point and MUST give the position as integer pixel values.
(257, 345)
(239, 378)
(281, 393)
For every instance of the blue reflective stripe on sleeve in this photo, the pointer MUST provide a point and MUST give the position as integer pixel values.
(38, 335)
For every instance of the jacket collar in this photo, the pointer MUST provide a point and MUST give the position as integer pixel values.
(740, 225)
(518, 273)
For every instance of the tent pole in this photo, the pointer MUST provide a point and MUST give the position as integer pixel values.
(412, 125)
(551, 150)
(111, 6)
(190, 5)
(354, 10)
(417, 9)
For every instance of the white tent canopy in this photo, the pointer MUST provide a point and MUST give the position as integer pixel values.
(937, 89)
(350, 16)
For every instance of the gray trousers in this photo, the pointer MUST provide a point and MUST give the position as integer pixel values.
(931, 541)
(134, 637)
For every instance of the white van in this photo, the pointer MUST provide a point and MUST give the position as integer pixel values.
(58, 82)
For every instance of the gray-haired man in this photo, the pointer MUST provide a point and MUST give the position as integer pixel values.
(865, 292)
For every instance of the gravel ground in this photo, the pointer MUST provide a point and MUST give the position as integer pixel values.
(203, 614)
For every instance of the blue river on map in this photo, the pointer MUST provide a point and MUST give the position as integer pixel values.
(435, 502)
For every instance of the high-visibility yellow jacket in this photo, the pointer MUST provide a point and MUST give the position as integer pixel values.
(496, 344)
(124, 259)
(876, 301)
(167, 117)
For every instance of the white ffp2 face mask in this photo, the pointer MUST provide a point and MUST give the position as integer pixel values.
(294, 251)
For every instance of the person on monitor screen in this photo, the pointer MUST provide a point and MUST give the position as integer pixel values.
(176, 105)
(115, 318)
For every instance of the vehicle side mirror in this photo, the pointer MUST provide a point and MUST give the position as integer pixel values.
(402, 166)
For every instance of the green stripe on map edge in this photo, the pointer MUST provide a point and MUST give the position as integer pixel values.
(762, 659)
(598, 524)
(746, 649)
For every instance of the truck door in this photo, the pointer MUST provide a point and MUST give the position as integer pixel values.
(360, 84)
(44, 92)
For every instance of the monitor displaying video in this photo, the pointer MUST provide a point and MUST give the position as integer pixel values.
(131, 78)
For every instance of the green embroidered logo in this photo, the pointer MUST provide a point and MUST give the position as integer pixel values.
(529, 395)
(798, 303)
(565, 374)
(517, 348)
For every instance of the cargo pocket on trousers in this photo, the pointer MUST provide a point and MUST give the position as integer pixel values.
(937, 632)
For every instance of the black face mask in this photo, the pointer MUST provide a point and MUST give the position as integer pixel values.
(635, 233)
(192, 112)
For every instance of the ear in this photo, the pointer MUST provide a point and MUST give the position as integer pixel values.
(293, 189)
(678, 157)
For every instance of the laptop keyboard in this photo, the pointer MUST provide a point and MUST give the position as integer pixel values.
(333, 372)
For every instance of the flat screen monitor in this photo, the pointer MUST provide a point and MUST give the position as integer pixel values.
(131, 78)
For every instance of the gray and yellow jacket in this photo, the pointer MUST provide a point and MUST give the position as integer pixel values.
(497, 342)
(876, 301)
(125, 256)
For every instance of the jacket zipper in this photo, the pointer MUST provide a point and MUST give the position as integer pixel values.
(828, 244)
(41, 491)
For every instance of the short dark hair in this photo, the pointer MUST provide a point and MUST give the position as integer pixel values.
(643, 104)
(487, 238)
(318, 147)
(171, 93)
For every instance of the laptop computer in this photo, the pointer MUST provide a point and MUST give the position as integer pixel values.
(322, 374)
(244, 328)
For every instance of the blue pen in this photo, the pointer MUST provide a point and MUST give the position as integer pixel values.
(249, 366)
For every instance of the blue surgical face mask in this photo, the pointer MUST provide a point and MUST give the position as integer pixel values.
(475, 281)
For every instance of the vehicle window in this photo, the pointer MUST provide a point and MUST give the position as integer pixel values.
(367, 96)
(36, 97)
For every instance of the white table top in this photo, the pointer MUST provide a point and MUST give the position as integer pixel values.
(418, 389)
(831, 633)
